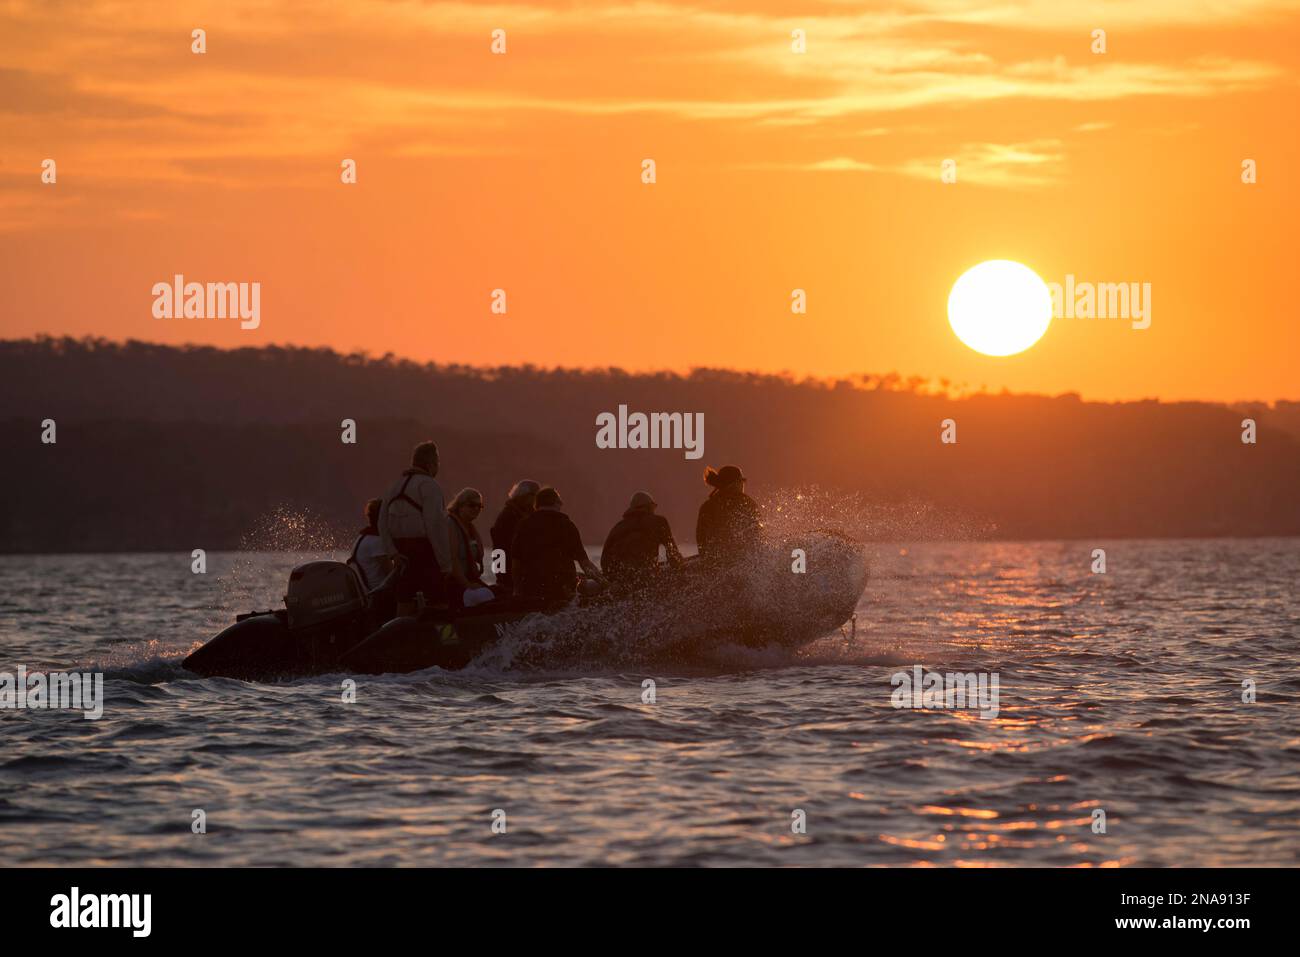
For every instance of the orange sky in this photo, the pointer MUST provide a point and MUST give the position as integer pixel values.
(776, 171)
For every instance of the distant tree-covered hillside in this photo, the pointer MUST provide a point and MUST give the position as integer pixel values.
(174, 448)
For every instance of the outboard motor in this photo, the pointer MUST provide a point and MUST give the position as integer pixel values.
(320, 592)
(327, 612)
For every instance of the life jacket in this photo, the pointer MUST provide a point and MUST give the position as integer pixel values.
(473, 550)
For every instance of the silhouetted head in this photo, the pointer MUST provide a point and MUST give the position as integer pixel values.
(524, 494)
(425, 456)
(372, 511)
(643, 501)
(729, 476)
(467, 504)
(549, 498)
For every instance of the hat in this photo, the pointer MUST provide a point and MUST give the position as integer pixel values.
(642, 500)
(724, 476)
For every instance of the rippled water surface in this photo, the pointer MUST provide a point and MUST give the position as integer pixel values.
(1120, 692)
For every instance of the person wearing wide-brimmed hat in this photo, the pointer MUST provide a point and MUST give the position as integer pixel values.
(729, 523)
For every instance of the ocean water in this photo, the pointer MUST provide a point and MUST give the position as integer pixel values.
(1119, 692)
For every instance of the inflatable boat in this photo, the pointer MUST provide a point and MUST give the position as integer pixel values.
(331, 624)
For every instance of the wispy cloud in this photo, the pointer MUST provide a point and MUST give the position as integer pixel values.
(116, 81)
(1004, 165)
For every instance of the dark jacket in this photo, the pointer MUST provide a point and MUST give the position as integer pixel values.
(632, 547)
(728, 527)
(546, 545)
(503, 536)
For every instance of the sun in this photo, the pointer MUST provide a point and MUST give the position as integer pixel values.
(999, 307)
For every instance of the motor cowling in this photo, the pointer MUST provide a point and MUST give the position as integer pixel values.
(323, 591)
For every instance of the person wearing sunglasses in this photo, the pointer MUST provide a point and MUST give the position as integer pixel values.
(467, 589)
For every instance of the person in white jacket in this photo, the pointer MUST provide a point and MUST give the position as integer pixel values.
(413, 524)
(368, 556)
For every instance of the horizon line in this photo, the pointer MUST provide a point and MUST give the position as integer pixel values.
(885, 382)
